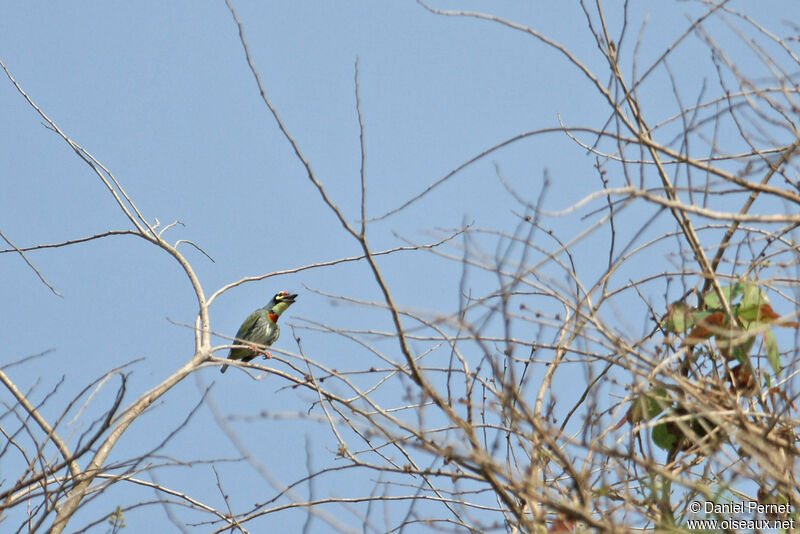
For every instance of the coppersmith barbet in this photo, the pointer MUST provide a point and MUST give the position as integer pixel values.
(261, 328)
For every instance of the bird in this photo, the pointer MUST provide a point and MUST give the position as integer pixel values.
(260, 328)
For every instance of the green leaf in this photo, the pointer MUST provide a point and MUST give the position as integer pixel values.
(711, 298)
(648, 405)
(665, 437)
(657, 401)
(747, 314)
(697, 316)
(752, 296)
(774, 355)
(741, 352)
(679, 317)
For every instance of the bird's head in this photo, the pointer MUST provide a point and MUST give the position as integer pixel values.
(279, 303)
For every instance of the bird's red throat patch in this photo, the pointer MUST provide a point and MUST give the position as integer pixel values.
(273, 317)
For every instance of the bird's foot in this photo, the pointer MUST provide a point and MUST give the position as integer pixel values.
(266, 355)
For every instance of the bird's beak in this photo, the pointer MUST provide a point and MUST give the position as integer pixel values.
(289, 298)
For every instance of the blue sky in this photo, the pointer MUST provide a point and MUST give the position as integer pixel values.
(161, 94)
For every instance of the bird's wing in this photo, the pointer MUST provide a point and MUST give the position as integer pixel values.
(247, 326)
(244, 333)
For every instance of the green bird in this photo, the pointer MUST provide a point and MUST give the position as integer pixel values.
(261, 328)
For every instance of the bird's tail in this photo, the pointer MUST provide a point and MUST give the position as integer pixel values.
(224, 368)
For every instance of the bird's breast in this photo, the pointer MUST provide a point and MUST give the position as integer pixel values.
(266, 331)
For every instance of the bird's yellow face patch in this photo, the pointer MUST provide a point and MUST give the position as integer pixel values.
(279, 308)
(283, 300)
